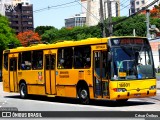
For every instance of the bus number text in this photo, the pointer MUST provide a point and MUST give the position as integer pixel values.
(124, 84)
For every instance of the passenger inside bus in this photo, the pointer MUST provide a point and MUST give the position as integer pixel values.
(60, 64)
(23, 66)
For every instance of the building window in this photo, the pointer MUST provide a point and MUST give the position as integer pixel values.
(30, 23)
(137, 3)
(143, 2)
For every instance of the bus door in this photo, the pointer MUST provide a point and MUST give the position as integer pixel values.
(49, 72)
(13, 83)
(101, 82)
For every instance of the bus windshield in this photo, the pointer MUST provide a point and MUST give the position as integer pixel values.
(132, 62)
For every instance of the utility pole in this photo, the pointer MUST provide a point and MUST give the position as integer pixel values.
(88, 12)
(102, 19)
(148, 23)
(109, 18)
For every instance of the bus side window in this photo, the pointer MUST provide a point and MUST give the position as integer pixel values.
(26, 60)
(37, 60)
(65, 56)
(82, 57)
(5, 61)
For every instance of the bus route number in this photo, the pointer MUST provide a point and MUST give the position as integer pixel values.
(124, 84)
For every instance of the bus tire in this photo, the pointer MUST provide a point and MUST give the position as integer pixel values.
(23, 90)
(122, 100)
(83, 95)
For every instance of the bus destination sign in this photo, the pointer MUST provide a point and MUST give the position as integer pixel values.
(126, 41)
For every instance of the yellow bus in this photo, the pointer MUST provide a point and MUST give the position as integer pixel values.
(115, 68)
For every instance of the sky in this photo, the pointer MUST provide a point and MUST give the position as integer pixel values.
(56, 16)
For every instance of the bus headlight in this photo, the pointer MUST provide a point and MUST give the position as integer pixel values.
(120, 89)
(152, 87)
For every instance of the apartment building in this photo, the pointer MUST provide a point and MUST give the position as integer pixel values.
(20, 14)
(76, 20)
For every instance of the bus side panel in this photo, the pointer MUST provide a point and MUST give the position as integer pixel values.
(36, 90)
(66, 91)
(5, 79)
(88, 77)
(33, 78)
(66, 82)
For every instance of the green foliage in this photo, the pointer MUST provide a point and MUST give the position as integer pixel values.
(50, 35)
(7, 35)
(76, 33)
(124, 28)
(137, 22)
(41, 29)
(155, 21)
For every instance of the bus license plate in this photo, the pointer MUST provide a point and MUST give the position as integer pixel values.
(137, 95)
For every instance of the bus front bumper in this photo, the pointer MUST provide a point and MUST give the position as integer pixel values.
(132, 94)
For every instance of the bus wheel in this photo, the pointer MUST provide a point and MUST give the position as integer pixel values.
(83, 95)
(23, 90)
(122, 100)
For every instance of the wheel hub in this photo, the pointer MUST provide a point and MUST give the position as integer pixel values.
(23, 90)
(84, 94)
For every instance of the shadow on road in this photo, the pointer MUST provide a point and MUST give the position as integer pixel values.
(103, 103)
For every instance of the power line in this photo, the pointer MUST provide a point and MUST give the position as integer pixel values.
(123, 6)
(89, 11)
(60, 7)
(51, 7)
(146, 7)
(141, 5)
(123, 2)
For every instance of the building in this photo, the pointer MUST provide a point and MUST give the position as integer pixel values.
(20, 14)
(90, 13)
(84, 6)
(137, 5)
(155, 45)
(76, 20)
(93, 13)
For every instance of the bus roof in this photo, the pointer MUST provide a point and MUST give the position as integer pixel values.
(60, 44)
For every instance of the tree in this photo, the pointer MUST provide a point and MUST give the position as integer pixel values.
(41, 29)
(26, 38)
(7, 36)
(50, 35)
(126, 27)
(155, 12)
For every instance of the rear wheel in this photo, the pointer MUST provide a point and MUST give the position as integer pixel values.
(23, 90)
(83, 95)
